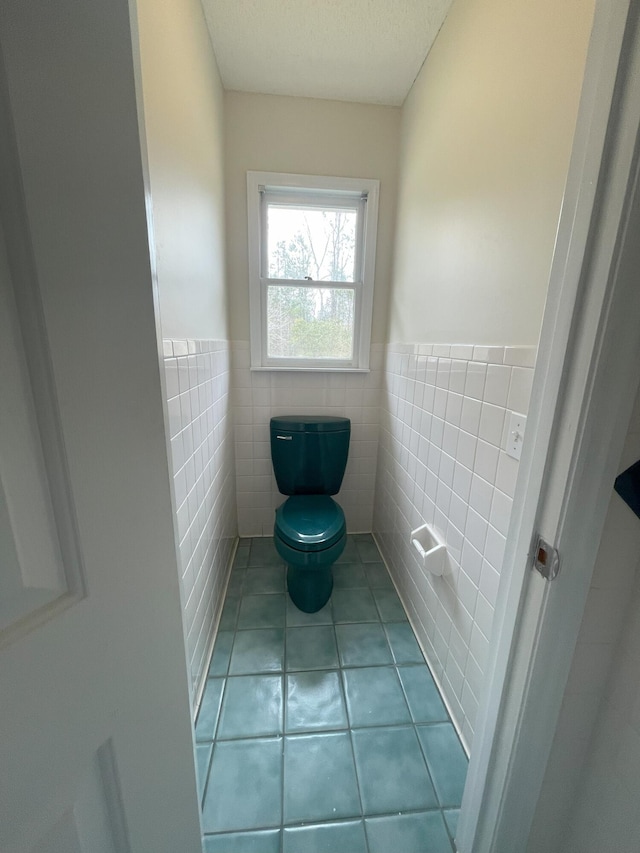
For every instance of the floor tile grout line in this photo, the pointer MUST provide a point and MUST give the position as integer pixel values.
(206, 778)
(355, 771)
(431, 775)
(282, 779)
(340, 680)
(332, 821)
(332, 730)
(426, 764)
(320, 624)
(217, 725)
(452, 840)
(348, 713)
(213, 742)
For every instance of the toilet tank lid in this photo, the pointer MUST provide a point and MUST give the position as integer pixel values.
(310, 423)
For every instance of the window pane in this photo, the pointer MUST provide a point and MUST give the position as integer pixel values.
(310, 322)
(318, 243)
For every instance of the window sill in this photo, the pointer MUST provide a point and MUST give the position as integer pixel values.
(311, 369)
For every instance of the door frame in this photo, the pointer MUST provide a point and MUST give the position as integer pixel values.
(584, 387)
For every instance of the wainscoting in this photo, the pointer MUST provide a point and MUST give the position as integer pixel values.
(198, 400)
(444, 417)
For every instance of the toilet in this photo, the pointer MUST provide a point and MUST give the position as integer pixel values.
(309, 455)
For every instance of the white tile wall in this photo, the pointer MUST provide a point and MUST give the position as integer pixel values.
(258, 395)
(444, 420)
(200, 426)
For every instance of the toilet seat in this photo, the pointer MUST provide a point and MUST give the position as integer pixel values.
(310, 522)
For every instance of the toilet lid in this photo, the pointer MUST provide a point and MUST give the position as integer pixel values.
(310, 522)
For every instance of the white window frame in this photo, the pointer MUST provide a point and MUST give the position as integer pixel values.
(262, 187)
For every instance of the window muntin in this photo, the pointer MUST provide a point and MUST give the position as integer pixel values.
(311, 260)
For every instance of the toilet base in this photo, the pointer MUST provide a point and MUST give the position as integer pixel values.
(309, 573)
(309, 588)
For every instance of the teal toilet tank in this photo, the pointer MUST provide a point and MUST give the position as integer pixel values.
(309, 453)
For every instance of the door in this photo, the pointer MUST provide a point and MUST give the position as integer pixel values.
(96, 751)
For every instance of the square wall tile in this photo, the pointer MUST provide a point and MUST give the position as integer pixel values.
(486, 463)
(491, 423)
(476, 376)
(520, 389)
(496, 387)
(481, 496)
(523, 356)
(470, 417)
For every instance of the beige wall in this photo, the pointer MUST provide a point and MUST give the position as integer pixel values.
(487, 132)
(183, 111)
(312, 137)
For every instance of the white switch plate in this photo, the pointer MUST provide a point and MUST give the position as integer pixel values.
(517, 426)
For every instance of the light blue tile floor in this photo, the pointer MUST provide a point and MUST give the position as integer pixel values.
(323, 732)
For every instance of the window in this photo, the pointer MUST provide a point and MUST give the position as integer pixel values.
(311, 268)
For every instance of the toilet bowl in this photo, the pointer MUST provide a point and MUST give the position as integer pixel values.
(310, 534)
(309, 455)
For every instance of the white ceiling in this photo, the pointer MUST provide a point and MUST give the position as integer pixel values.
(348, 50)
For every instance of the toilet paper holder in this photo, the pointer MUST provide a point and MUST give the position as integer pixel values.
(430, 548)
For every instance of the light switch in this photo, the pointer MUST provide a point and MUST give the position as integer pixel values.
(515, 436)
